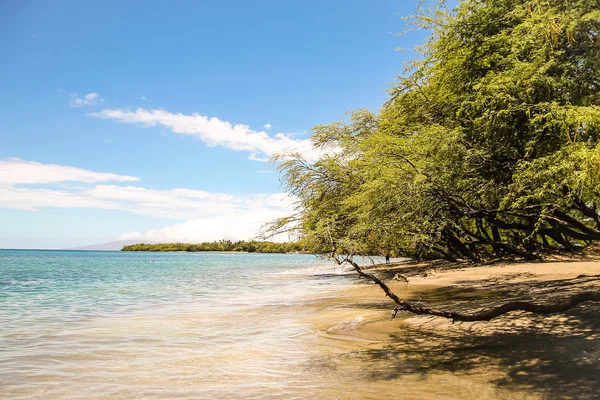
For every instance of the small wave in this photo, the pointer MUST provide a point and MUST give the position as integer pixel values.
(15, 283)
(347, 325)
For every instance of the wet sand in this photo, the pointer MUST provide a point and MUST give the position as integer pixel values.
(516, 356)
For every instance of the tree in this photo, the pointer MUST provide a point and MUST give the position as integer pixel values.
(487, 146)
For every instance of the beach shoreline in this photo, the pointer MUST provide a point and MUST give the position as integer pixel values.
(518, 355)
(121, 325)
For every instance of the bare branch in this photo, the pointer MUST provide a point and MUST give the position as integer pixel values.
(561, 305)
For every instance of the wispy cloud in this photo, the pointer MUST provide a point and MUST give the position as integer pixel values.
(215, 132)
(232, 226)
(186, 203)
(179, 203)
(30, 199)
(208, 215)
(268, 126)
(255, 157)
(89, 99)
(14, 171)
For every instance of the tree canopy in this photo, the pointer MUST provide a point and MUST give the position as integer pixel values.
(486, 147)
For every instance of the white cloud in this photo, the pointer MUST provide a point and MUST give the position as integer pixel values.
(215, 132)
(89, 99)
(219, 217)
(231, 226)
(268, 126)
(172, 204)
(185, 203)
(15, 171)
(255, 157)
(34, 199)
(210, 216)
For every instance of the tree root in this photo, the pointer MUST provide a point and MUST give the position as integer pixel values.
(560, 305)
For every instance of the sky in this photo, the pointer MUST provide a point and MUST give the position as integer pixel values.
(154, 120)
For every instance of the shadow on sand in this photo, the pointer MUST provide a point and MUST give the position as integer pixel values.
(556, 356)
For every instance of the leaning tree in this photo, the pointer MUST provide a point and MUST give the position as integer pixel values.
(487, 147)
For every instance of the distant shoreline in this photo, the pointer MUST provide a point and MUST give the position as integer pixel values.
(222, 245)
(201, 251)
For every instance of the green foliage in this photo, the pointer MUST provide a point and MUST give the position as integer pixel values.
(487, 145)
(222, 245)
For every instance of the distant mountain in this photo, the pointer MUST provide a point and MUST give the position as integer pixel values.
(114, 245)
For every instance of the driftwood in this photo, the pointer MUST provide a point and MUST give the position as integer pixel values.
(559, 305)
(400, 277)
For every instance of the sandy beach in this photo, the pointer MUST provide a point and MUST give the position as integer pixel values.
(516, 356)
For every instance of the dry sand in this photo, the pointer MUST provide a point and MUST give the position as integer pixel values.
(516, 356)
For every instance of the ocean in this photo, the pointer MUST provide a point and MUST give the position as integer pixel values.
(127, 325)
(96, 324)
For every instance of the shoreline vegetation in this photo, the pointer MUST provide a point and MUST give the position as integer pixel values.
(252, 246)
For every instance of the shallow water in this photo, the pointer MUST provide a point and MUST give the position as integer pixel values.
(116, 325)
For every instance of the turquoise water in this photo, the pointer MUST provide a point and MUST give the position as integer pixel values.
(59, 286)
(86, 324)
(115, 325)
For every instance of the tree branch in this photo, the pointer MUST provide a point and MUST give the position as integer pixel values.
(560, 305)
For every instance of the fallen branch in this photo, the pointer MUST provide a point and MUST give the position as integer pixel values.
(560, 305)
(400, 277)
(485, 315)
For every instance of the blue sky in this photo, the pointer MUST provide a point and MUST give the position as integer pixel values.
(148, 120)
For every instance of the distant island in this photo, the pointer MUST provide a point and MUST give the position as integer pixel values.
(222, 245)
